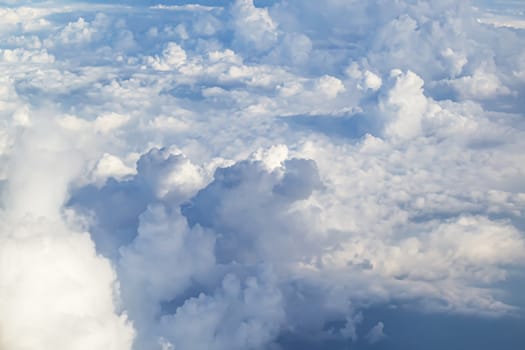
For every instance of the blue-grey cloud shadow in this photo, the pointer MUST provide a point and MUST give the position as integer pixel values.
(407, 329)
(116, 208)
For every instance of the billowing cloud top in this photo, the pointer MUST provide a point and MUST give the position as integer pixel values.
(232, 175)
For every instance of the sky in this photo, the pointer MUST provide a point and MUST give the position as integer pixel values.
(262, 175)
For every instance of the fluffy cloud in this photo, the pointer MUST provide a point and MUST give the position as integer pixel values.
(161, 263)
(238, 316)
(50, 272)
(53, 277)
(258, 174)
(254, 27)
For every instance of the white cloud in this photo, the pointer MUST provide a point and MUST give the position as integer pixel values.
(249, 176)
(329, 86)
(18, 56)
(78, 32)
(172, 57)
(406, 103)
(254, 27)
(169, 171)
(160, 264)
(26, 17)
(112, 166)
(480, 85)
(55, 288)
(503, 21)
(237, 316)
(111, 121)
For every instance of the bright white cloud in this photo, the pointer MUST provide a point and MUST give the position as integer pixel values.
(241, 176)
(253, 26)
(55, 288)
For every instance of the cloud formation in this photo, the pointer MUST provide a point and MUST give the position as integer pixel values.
(258, 174)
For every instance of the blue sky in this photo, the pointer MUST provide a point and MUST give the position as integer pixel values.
(261, 175)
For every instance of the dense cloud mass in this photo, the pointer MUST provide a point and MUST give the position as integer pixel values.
(281, 175)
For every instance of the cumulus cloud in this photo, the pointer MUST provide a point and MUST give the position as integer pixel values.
(240, 315)
(406, 102)
(254, 27)
(53, 277)
(258, 174)
(159, 265)
(54, 285)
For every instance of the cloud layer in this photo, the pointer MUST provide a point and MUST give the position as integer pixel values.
(268, 175)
